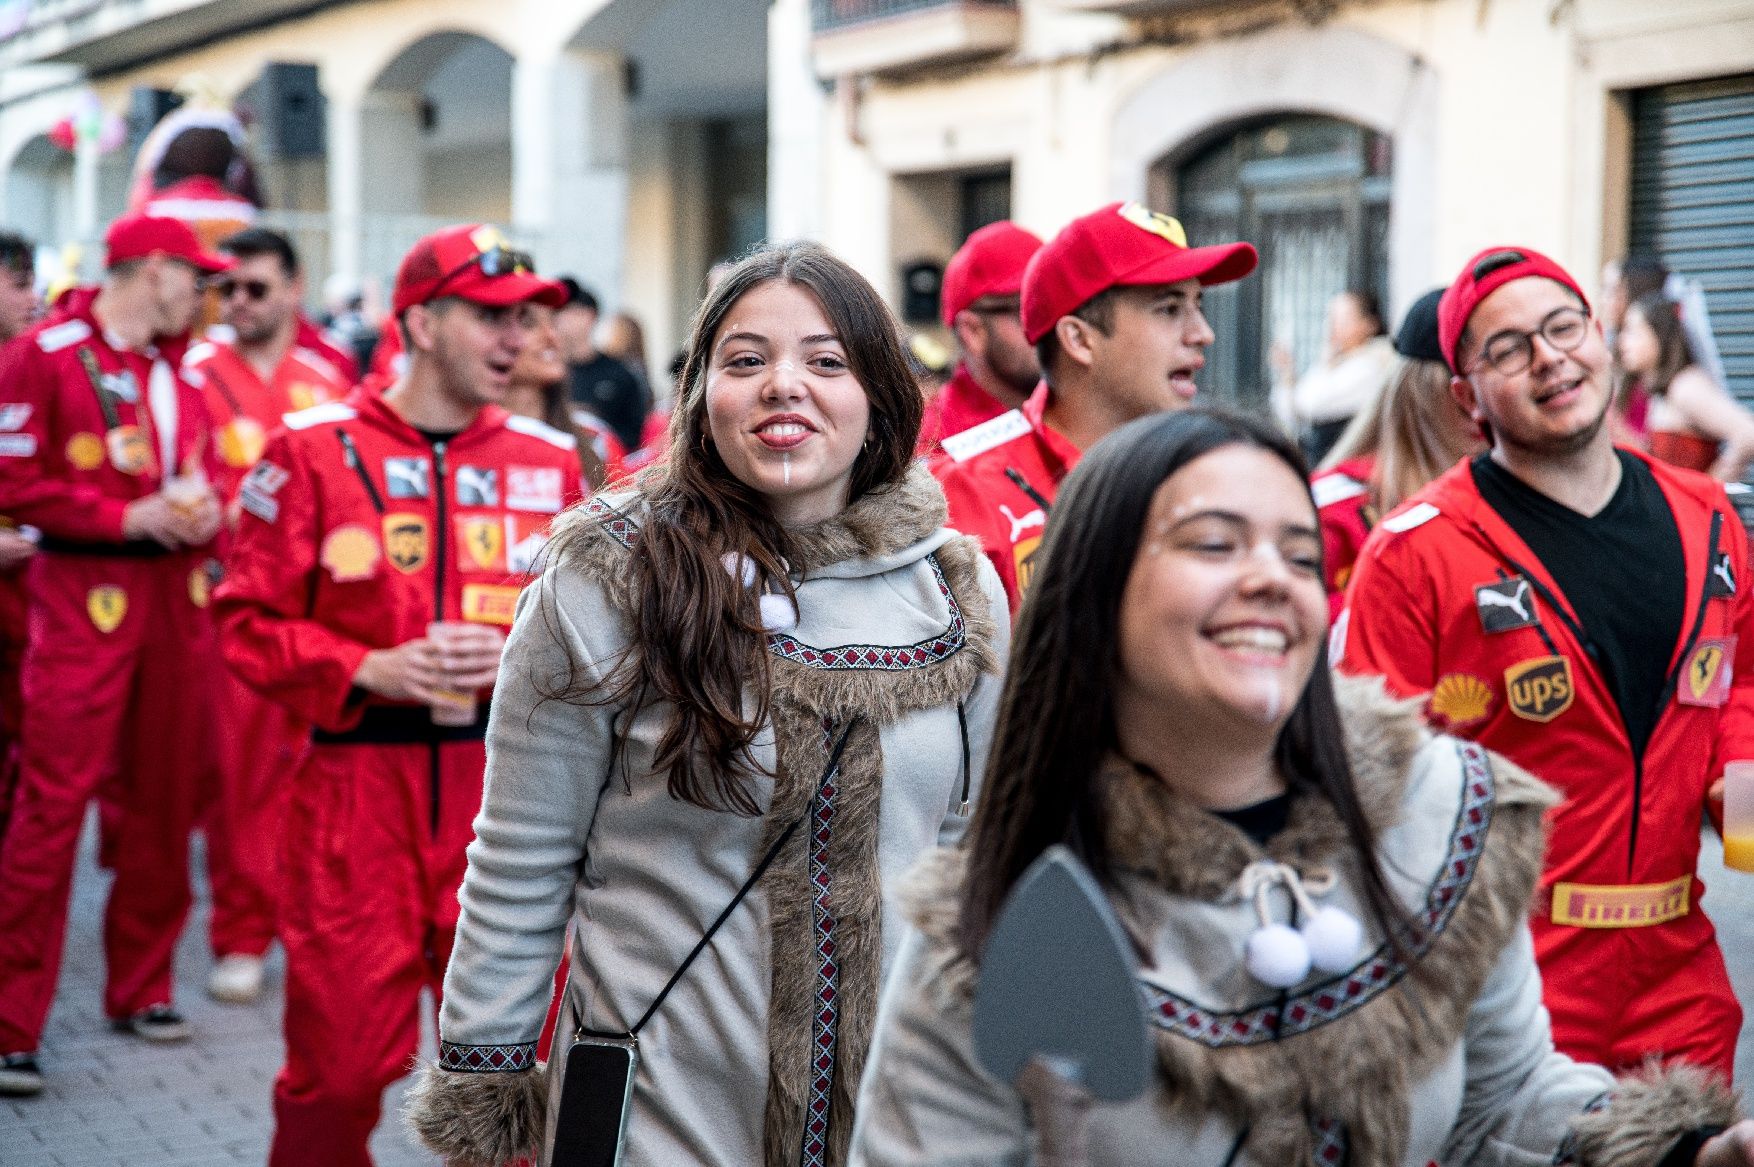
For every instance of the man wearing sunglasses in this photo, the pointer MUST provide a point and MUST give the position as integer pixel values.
(380, 549)
(106, 450)
(250, 381)
(981, 304)
(1577, 607)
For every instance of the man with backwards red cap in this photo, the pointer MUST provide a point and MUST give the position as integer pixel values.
(980, 303)
(1112, 306)
(108, 452)
(1579, 608)
(378, 558)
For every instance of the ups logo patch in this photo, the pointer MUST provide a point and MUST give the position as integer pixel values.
(1539, 689)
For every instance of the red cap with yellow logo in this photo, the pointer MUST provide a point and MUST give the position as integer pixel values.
(471, 262)
(1122, 245)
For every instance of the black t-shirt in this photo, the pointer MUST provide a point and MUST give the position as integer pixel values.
(610, 390)
(1622, 570)
(1262, 820)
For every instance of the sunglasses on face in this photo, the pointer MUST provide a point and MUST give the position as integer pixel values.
(494, 262)
(252, 289)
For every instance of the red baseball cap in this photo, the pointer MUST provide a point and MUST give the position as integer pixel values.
(1124, 245)
(471, 262)
(141, 236)
(1481, 276)
(989, 263)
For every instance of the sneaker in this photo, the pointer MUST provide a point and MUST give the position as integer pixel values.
(236, 979)
(157, 1023)
(20, 1076)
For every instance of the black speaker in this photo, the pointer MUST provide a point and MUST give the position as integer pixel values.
(290, 111)
(146, 108)
(921, 284)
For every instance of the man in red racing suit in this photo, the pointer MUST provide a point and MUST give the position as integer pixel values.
(109, 456)
(369, 528)
(1112, 305)
(1522, 653)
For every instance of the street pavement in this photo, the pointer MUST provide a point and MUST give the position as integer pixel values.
(113, 1100)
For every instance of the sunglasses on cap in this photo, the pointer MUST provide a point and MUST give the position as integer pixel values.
(252, 289)
(494, 262)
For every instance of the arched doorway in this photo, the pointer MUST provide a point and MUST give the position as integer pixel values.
(1312, 194)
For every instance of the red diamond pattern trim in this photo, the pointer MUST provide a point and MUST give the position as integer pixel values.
(487, 1059)
(1330, 1142)
(1322, 1003)
(826, 1025)
(890, 658)
(621, 528)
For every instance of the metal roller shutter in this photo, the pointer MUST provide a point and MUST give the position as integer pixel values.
(1693, 202)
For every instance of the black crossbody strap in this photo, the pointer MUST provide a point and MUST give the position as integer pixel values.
(773, 852)
(105, 399)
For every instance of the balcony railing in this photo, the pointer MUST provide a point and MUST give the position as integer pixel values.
(882, 36)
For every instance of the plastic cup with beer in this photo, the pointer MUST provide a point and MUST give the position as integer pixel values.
(1739, 815)
(450, 706)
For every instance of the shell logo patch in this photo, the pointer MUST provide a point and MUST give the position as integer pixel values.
(1705, 681)
(349, 553)
(241, 442)
(85, 451)
(1539, 689)
(1146, 219)
(200, 587)
(1460, 698)
(107, 605)
(407, 540)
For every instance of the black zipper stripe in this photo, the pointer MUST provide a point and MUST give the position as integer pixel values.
(231, 399)
(441, 544)
(350, 455)
(1016, 476)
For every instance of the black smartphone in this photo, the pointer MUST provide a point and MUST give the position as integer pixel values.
(596, 1096)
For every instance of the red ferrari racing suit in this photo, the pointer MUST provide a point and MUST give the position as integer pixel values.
(260, 742)
(959, 406)
(117, 669)
(1343, 508)
(356, 532)
(1000, 478)
(1447, 601)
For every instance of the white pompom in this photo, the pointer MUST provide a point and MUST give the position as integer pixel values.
(778, 614)
(1277, 956)
(738, 564)
(1333, 936)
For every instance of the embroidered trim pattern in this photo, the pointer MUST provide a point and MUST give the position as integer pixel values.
(621, 528)
(825, 1027)
(884, 657)
(1332, 999)
(1331, 1147)
(487, 1059)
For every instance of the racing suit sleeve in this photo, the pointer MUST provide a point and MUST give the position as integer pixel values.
(32, 490)
(1735, 740)
(962, 496)
(267, 633)
(1388, 627)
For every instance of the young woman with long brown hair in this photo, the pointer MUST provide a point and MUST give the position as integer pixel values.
(1692, 420)
(1326, 899)
(769, 651)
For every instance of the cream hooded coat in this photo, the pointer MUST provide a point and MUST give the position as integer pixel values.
(756, 1055)
(1371, 1067)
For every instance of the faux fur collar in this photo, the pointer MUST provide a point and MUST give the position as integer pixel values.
(1163, 835)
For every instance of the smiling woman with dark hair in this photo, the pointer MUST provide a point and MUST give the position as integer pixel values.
(741, 700)
(1327, 900)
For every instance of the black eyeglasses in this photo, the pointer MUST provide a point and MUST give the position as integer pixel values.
(253, 289)
(1513, 350)
(494, 262)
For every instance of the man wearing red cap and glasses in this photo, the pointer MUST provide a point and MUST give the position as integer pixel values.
(1578, 608)
(381, 547)
(980, 303)
(108, 452)
(1112, 306)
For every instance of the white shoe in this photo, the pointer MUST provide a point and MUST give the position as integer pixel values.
(236, 979)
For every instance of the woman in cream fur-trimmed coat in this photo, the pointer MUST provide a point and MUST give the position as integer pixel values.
(756, 1056)
(1437, 1051)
